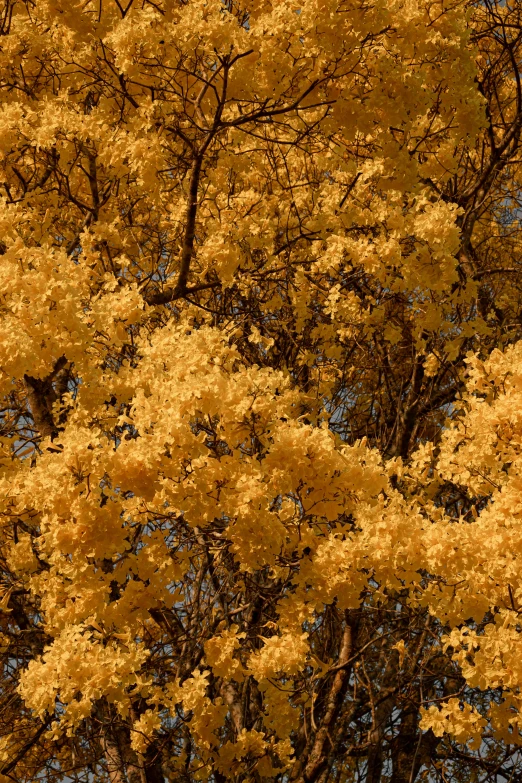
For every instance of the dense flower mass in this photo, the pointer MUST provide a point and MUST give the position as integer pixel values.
(261, 378)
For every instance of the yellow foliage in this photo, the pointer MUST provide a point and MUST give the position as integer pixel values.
(261, 378)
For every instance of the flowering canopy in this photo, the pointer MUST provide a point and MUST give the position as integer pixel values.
(261, 432)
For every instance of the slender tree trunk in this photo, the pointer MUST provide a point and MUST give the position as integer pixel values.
(317, 758)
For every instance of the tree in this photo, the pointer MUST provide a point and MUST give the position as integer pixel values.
(261, 368)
